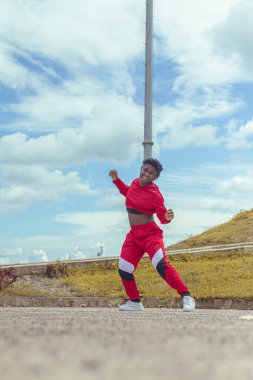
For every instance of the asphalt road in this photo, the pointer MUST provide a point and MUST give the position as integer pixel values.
(91, 344)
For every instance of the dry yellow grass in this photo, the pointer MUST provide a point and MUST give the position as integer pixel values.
(23, 290)
(208, 276)
(219, 275)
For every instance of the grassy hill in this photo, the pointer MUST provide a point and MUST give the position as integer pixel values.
(239, 229)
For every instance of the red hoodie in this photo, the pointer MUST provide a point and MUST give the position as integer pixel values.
(146, 199)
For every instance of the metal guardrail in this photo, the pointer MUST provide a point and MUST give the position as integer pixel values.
(212, 248)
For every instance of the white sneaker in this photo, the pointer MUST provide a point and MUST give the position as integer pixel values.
(131, 306)
(188, 303)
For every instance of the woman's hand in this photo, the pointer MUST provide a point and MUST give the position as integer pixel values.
(169, 215)
(113, 174)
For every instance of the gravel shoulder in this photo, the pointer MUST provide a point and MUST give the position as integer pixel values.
(45, 284)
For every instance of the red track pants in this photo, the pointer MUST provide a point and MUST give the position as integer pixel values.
(146, 238)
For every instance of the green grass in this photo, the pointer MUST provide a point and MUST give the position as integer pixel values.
(219, 275)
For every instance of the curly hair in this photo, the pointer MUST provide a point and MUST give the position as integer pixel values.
(155, 163)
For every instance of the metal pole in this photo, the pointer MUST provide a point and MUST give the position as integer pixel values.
(148, 81)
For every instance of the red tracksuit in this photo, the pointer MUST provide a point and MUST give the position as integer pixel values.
(145, 238)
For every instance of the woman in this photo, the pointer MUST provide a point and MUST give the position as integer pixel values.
(143, 199)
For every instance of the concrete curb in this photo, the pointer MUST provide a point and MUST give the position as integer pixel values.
(218, 303)
(41, 268)
(12, 301)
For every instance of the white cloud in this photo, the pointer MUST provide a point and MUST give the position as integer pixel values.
(112, 131)
(109, 34)
(184, 123)
(85, 103)
(196, 136)
(239, 185)
(110, 201)
(51, 108)
(109, 221)
(187, 38)
(76, 254)
(108, 227)
(26, 185)
(78, 85)
(207, 103)
(183, 226)
(222, 205)
(241, 136)
(204, 196)
(13, 75)
(184, 28)
(233, 37)
(87, 232)
(39, 255)
(42, 248)
(218, 189)
(10, 254)
(71, 104)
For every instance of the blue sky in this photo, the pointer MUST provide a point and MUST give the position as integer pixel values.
(71, 108)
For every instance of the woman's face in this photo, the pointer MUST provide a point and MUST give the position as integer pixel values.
(147, 175)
